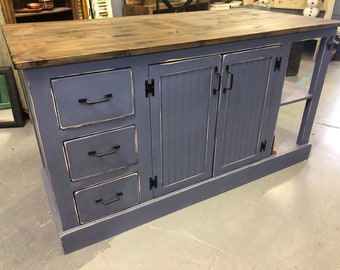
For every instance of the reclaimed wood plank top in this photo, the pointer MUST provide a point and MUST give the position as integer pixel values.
(54, 43)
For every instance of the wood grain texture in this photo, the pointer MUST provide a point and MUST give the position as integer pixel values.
(54, 43)
(132, 2)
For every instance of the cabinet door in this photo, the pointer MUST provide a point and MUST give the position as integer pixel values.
(247, 83)
(183, 118)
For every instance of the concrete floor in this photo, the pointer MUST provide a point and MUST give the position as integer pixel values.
(288, 220)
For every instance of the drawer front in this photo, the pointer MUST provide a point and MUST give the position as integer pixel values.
(108, 198)
(101, 153)
(93, 98)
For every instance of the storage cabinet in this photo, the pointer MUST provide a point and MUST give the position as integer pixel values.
(184, 113)
(183, 116)
(100, 153)
(107, 198)
(143, 125)
(243, 133)
(91, 98)
(91, 115)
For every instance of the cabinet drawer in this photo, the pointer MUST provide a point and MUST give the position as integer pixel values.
(105, 199)
(92, 98)
(101, 153)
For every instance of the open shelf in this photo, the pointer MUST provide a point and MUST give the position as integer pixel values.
(292, 93)
(285, 140)
(44, 12)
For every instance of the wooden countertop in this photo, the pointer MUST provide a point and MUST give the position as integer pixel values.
(63, 42)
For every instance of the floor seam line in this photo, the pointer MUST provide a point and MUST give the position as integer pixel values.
(327, 125)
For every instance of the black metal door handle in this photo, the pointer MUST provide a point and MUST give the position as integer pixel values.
(111, 152)
(230, 80)
(115, 199)
(105, 99)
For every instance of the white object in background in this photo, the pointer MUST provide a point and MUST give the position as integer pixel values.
(328, 15)
(223, 5)
(311, 12)
(312, 3)
(100, 9)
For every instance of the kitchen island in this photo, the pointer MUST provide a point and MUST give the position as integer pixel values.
(137, 117)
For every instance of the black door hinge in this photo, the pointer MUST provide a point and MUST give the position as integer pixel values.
(277, 65)
(153, 182)
(149, 88)
(263, 146)
(215, 91)
(217, 72)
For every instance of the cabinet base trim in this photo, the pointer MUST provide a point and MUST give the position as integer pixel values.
(99, 230)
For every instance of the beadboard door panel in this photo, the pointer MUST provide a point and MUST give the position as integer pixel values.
(247, 80)
(183, 115)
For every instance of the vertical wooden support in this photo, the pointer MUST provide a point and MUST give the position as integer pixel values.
(85, 9)
(7, 11)
(328, 15)
(77, 9)
(329, 9)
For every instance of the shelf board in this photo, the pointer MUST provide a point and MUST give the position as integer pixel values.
(293, 93)
(44, 12)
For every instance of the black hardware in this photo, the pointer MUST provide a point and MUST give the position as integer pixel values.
(113, 151)
(171, 8)
(272, 149)
(115, 199)
(263, 146)
(153, 182)
(215, 91)
(105, 99)
(217, 71)
(230, 80)
(277, 65)
(332, 42)
(149, 88)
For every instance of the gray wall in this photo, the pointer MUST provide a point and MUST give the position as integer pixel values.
(117, 7)
(336, 11)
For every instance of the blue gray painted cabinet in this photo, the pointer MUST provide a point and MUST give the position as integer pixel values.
(126, 140)
(183, 115)
(244, 105)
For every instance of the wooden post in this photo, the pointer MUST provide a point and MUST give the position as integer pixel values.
(328, 15)
(329, 9)
(7, 11)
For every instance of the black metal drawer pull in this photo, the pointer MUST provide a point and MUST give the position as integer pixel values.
(113, 151)
(115, 199)
(105, 99)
